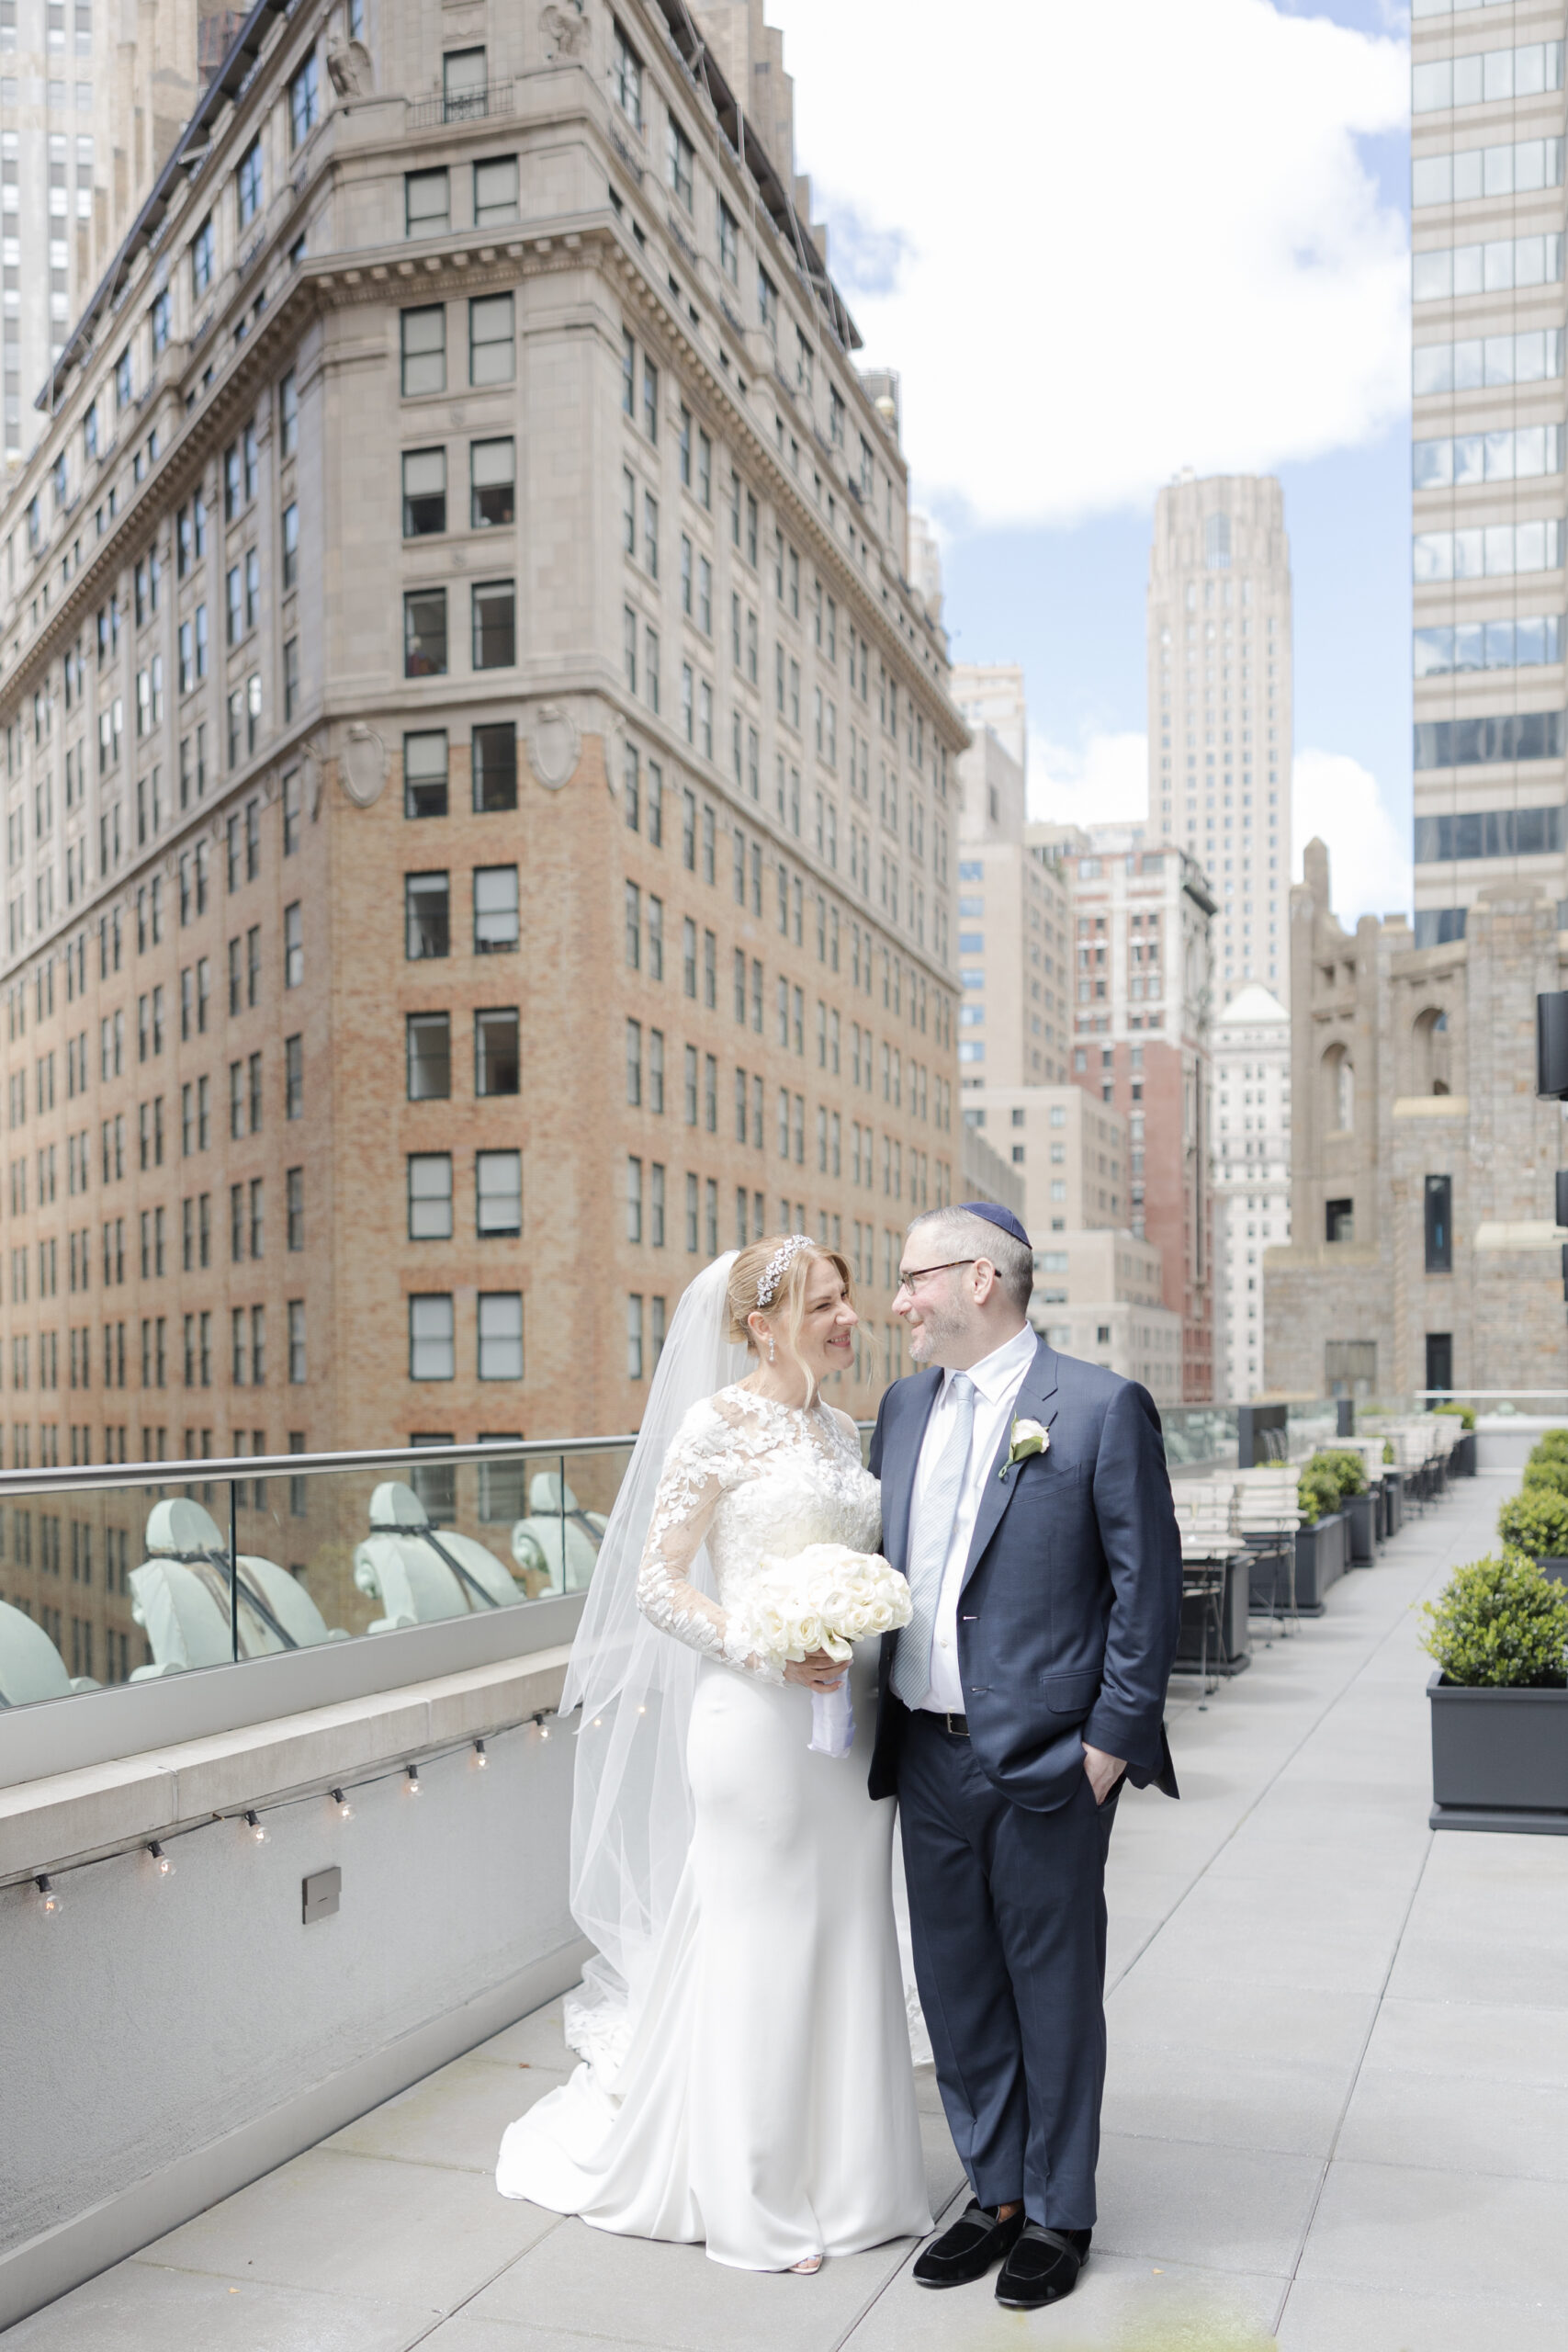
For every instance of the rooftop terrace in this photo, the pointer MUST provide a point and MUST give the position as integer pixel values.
(1338, 2053)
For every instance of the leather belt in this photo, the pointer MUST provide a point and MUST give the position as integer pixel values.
(957, 1727)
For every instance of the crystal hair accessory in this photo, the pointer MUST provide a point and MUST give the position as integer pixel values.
(778, 1265)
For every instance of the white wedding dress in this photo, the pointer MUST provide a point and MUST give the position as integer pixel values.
(765, 2104)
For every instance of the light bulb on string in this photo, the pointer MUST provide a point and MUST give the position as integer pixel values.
(480, 1759)
(49, 1900)
(256, 1827)
(346, 1811)
(543, 1728)
(413, 1780)
(161, 1861)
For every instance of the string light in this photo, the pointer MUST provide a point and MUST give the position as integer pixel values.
(161, 1861)
(543, 1728)
(256, 1827)
(480, 1759)
(414, 1780)
(346, 1811)
(49, 1901)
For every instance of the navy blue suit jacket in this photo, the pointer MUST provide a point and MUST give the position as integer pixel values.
(1071, 1601)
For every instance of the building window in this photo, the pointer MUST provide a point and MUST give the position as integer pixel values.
(290, 676)
(626, 78)
(494, 756)
(427, 910)
(1339, 1221)
(495, 192)
(493, 348)
(1438, 1220)
(294, 1187)
(423, 350)
(728, 242)
(432, 1344)
(427, 204)
(203, 252)
(430, 1196)
(501, 1335)
(464, 85)
(288, 415)
(679, 159)
(248, 184)
(429, 1057)
(496, 1059)
(424, 633)
(293, 945)
(493, 483)
(424, 773)
(293, 1078)
(304, 102)
(498, 1194)
(495, 625)
(495, 911)
(424, 492)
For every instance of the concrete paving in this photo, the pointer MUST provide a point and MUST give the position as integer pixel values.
(1338, 2057)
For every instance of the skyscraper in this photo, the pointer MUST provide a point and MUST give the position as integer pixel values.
(1219, 651)
(91, 102)
(1486, 191)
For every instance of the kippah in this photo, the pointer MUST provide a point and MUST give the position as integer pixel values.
(993, 1215)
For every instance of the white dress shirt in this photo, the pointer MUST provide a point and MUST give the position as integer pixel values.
(997, 1379)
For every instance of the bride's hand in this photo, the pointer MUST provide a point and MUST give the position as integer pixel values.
(817, 1671)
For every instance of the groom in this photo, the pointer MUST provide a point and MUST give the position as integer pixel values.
(1025, 1496)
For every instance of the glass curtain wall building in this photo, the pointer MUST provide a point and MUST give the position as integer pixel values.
(1487, 481)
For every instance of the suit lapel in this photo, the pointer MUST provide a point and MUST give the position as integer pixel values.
(922, 1391)
(1030, 1404)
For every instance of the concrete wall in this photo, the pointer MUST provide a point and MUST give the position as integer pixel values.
(164, 2040)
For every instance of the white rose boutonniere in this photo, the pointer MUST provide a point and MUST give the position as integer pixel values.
(1024, 1439)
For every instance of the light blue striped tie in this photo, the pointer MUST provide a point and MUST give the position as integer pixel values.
(935, 1511)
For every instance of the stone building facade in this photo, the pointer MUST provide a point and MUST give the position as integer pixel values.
(1424, 1252)
(478, 784)
(1098, 1296)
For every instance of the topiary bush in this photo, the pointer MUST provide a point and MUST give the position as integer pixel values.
(1550, 1446)
(1551, 1474)
(1388, 1454)
(1500, 1625)
(1465, 1413)
(1535, 1521)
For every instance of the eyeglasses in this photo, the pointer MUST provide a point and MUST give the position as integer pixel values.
(906, 1282)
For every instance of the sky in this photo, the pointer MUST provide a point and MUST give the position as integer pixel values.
(1103, 243)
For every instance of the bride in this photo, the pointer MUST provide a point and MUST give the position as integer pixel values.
(747, 2080)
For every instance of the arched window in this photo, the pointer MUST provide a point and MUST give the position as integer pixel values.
(1433, 1068)
(1217, 542)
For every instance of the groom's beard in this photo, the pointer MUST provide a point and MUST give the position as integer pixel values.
(938, 1329)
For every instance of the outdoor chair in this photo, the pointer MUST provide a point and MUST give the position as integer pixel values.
(420, 1573)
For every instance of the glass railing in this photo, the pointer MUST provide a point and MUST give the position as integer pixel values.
(124, 1574)
(1199, 1433)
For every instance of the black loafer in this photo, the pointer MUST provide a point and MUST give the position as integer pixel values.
(967, 2250)
(1042, 2266)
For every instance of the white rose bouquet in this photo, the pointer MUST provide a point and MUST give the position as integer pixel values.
(825, 1598)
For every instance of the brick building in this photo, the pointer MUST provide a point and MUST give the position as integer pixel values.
(476, 778)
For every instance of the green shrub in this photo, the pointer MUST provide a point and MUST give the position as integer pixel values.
(1318, 1495)
(1500, 1625)
(1535, 1521)
(1345, 1472)
(1552, 1473)
(1388, 1454)
(1465, 1412)
(1550, 1446)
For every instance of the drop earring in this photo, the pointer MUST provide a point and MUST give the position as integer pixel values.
(773, 1352)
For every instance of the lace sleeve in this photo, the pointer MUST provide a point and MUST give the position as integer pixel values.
(694, 1481)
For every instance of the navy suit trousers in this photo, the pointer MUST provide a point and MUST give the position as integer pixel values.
(1007, 1910)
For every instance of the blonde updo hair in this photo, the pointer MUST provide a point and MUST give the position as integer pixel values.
(788, 1300)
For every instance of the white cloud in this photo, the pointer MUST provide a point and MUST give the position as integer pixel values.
(1335, 798)
(1101, 244)
(1104, 782)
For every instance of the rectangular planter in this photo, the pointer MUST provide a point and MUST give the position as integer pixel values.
(1499, 1760)
(1393, 1485)
(1320, 1561)
(1362, 1527)
(1234, 1650)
